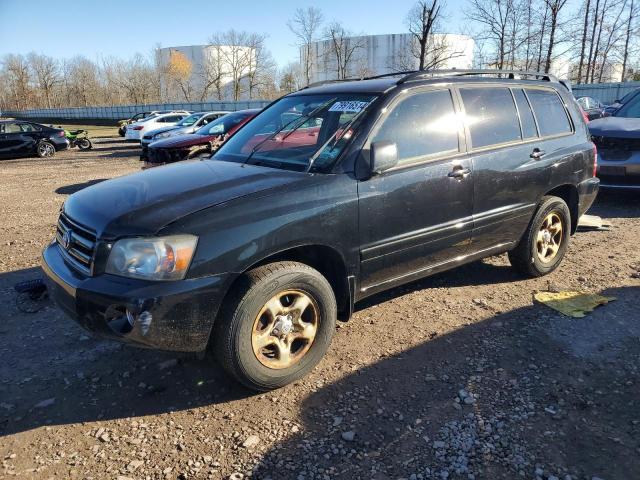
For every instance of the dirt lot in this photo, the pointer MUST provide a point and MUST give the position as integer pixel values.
(459, 376)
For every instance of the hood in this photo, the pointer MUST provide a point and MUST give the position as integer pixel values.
(144, 202)
(183, 141)
(155, 131)
(618, 127)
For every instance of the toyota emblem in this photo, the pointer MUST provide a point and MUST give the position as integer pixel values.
(66, 239)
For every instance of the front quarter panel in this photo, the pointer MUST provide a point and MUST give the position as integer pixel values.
(233, 236)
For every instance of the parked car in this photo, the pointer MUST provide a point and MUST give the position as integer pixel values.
(615, 106)
(136, 130)
(618, 141)
(592, 108)
(20, 138)
(187, 125)
(206, 140)
(254, 253)
(122, 124)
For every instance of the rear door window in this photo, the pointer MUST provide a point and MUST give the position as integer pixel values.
(527, 120)
(491, 116)
(420, 125)
(549, 110)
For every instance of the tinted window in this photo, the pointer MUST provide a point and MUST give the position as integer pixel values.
(526, 115)
(12, 128)
(491, 116)
(551, 115)
(422, 124)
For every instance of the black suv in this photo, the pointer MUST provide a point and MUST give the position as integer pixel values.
(329, 195)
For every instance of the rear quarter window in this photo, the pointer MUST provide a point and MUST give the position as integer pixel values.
(491, 116)
(550, 112)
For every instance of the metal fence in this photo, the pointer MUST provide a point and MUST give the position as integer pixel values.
(605, 92)
(127, 111)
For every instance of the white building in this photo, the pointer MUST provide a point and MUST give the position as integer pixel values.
(207, 60)
(380, 54)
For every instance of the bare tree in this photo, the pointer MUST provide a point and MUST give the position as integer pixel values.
(422, 20)
(17, 76)
(343, 48)
(305, 25)
(631, 29)
(261, 75)
(583, 41)
(46, 73)
(555, 7)
(493, 17)
(235, 58)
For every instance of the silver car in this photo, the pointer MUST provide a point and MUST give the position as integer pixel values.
(187, 125)
(618, 142)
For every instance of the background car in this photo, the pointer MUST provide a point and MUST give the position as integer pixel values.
(618, 140)
(205, 140)
(136, 130)
(19, 138)
(187, 125)
(617, 104)
(592, 107)
(122, 124)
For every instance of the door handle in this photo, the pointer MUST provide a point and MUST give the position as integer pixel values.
(459, 172)
(537, 154)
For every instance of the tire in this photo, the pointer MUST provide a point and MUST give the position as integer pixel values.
(84, 144)
(121, 131)
(247, 321)
(45, 149)
(541, 248)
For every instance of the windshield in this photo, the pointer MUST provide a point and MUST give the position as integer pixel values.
(297, 131)
(222, 125)
(190, 120)
(630, 109)
(628, 96)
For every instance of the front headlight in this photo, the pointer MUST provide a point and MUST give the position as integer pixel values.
(153, 258)
(162, 135)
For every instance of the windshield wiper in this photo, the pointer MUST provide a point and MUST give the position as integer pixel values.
(298, 121)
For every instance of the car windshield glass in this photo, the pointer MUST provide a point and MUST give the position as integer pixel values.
(190, 120)
(298, 131)
(630, 109)
(223, 124)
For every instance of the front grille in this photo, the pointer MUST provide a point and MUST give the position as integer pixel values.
(614, 143)
(77, 244)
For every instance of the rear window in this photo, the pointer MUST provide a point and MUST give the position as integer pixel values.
(550, 112)
(491, 116)
(527, 121)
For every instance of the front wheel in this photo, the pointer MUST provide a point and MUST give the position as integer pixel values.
(84, 144)
(545, 242)
(45, 149)
(276, 326)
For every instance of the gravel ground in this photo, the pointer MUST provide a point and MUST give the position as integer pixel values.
(458, 376)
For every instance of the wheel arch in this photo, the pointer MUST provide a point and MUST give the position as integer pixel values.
(569, 193)
(327, 260)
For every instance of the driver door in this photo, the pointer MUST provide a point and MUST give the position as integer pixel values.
(416, 218)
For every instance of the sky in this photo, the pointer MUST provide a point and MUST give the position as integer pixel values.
(121, 28)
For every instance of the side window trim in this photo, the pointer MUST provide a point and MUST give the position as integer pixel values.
(423, 159)
(535, 117)
(533, 114)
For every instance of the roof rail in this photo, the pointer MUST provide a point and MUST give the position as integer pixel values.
(411, 75)
(510, 74)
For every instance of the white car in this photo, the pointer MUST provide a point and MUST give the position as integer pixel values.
(136, 130)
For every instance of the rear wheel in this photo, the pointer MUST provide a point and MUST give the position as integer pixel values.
(45, 149)
(84, 144)
(276, 326)
(545, 242)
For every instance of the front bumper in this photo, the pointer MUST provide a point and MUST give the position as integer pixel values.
(176, 315)
(619, 168)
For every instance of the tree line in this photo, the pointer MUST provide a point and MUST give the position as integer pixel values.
(598, 40)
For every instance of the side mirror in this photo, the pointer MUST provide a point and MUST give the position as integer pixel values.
(384, 155)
